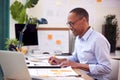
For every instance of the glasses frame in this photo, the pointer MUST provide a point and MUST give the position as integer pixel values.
(71, 24)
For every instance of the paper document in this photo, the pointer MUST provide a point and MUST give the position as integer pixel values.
(65, 72)
(42, 63)
(59, 78)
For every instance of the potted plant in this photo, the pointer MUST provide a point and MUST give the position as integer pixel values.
(19, 11)
(11, 44)
(110, 30)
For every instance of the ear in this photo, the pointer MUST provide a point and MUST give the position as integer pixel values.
(84, 19)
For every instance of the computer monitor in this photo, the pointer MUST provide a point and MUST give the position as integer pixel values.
(30, 36)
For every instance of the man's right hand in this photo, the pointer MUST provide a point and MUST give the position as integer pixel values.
(54, 61)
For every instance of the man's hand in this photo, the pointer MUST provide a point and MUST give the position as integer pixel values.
(53, 60)
(69, 63)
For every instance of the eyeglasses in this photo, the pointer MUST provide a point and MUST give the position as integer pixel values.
(71, 24)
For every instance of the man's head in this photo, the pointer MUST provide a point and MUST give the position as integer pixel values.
(78, 21)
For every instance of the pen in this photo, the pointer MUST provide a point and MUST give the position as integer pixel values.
(54, 60)
(54, 56)
(73, 76)
(37, 67)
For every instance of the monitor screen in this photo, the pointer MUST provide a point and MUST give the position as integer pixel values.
(30, 36)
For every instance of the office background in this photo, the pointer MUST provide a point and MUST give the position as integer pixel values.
(56, 11)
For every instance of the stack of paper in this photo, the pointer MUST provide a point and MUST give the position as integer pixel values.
(65, 72)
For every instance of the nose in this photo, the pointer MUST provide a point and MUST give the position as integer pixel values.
(70, 27)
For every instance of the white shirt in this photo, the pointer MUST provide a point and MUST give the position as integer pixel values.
(93, 49)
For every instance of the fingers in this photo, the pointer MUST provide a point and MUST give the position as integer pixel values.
(65, 64)
(68, 63)
(52, 60)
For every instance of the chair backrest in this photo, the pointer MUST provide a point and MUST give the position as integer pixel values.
(115, 69)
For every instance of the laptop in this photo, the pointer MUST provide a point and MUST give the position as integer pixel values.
(14, 65)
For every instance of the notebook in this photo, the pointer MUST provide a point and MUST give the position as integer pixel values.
(14, 65)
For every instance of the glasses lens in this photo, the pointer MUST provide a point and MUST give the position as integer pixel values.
(70, 24)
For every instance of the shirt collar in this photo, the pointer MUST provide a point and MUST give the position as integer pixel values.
(87, 34)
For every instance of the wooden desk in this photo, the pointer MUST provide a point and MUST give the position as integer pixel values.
(86, 77)
(78, 71)
(83, 75)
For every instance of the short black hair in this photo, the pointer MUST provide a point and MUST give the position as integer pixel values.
(81, 12)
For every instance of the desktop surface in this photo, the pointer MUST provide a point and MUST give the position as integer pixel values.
(39, 65)
(19, 60)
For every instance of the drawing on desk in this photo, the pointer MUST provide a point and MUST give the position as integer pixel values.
(65, 72)
(41, 64)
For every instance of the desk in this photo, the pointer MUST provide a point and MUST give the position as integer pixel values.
(78, 71)
(63, 77)
(83, 75)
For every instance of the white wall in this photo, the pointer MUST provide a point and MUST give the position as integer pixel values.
(55, 11)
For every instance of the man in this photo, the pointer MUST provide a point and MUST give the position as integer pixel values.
(91, 52)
